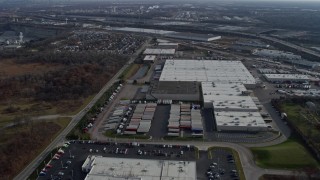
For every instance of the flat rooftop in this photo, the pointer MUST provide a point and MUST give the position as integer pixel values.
(146, 169)
(159, 51)
(231, 118)
(267, 71)
(233, 103)
(206, 70)
(227, 97)
(168, 44)
(149, 58)
(230, 89)
(175, 87)
(287, 76)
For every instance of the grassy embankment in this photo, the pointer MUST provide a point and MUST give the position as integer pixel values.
(288, 155)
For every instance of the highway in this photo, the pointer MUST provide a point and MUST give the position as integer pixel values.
(26, 172)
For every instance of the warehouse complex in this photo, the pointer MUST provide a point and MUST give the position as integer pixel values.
(204, 70)
(234, 109)
(99, 167)
(220, 85)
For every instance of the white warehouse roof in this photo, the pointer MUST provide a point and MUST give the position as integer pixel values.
(206, 70)
(231, 97)
(286, 77)
(234, 103)
(168, 44)
(242, 121)
(149, 58)
(230, 89)
(159, 51)
(126, 168)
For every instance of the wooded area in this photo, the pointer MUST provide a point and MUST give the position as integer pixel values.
(83, 73)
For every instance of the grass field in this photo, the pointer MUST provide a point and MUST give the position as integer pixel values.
(130, 71)
(303, 119)
(28, 108)
(288, 155)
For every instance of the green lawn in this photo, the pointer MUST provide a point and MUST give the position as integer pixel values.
(130, 71)
(290, 155)
(301, 118)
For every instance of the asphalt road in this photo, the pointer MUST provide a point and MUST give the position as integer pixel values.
(60, 138)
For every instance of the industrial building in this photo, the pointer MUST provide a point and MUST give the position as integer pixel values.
(286, 77)
(267, 71)
(215, 93)
(149, 51)
(174, 90)
(168, 45)
(149, 58)
(99, 168)
(206, 70)
(303, 63)
(160, 53)
(192, 36)
(234, 109)
(221, 85)
(275, 54)
(239, 121)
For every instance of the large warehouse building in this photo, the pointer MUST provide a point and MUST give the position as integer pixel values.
(221, 85)
(207, 70)
(239, 121)
(234, 109)
(99, 168)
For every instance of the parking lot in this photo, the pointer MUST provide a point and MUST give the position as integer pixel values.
(68, 165)
(223, 164)
(217, 163)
